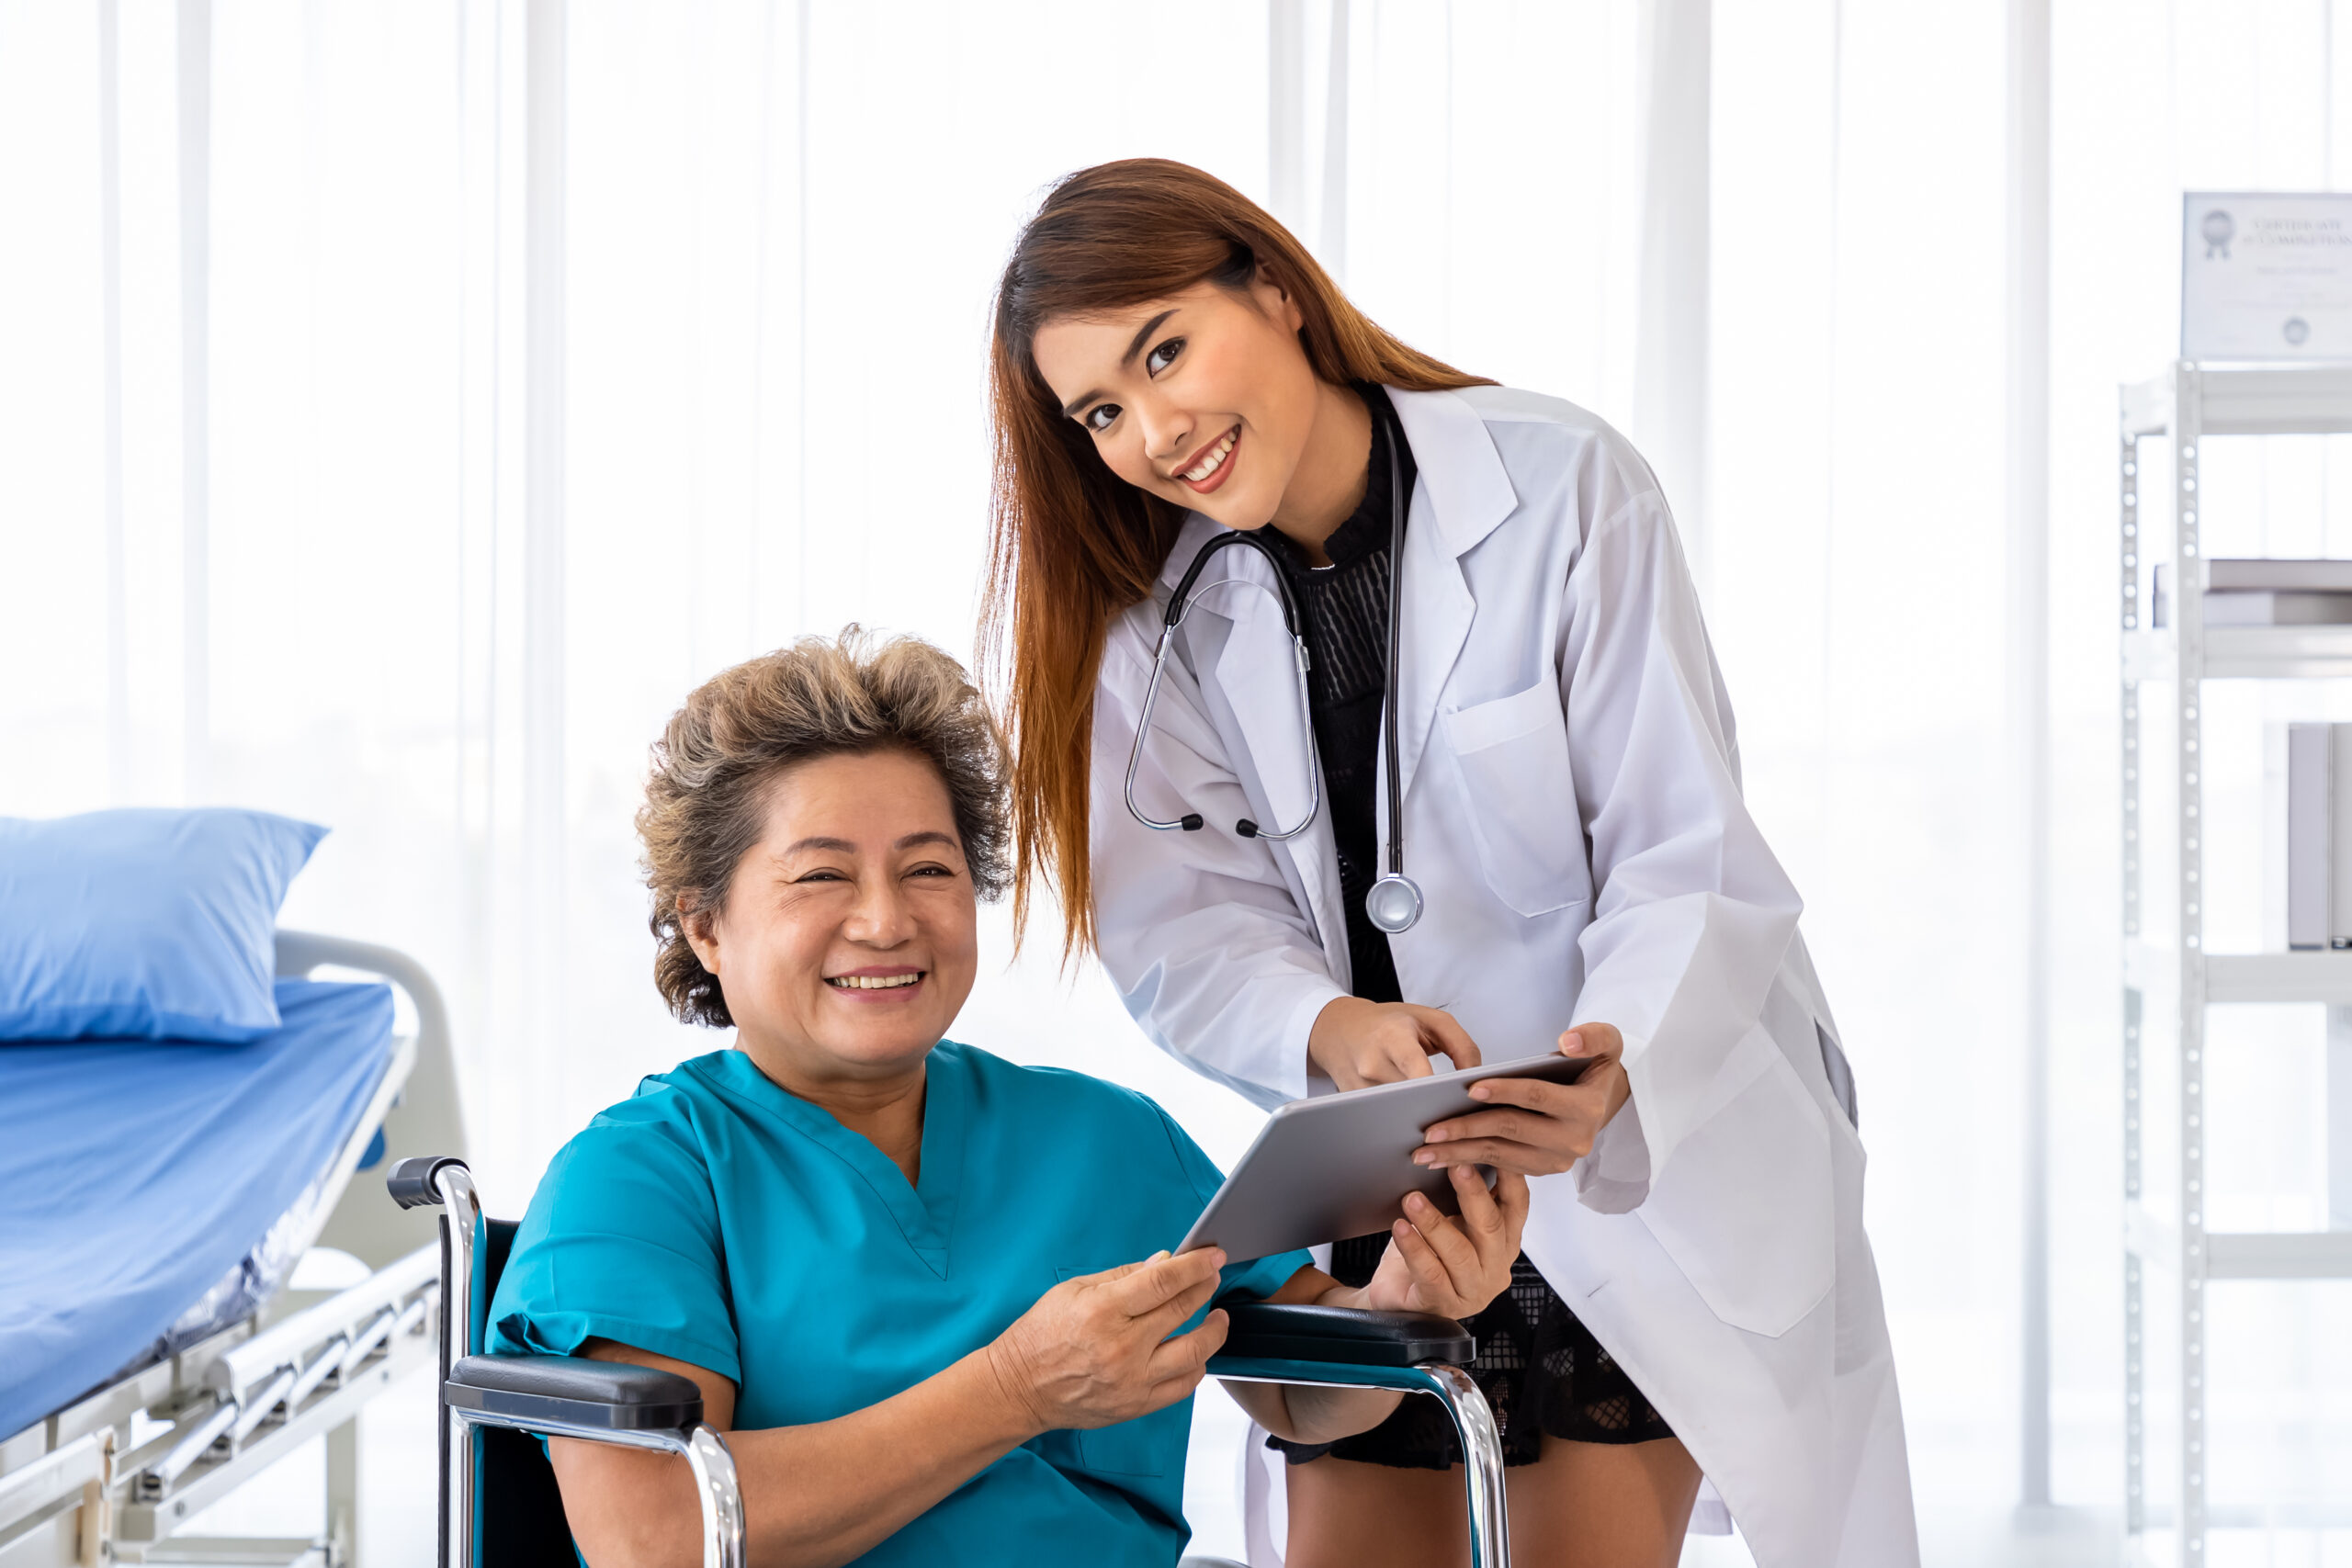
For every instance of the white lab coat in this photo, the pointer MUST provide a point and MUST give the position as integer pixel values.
(1573, 818)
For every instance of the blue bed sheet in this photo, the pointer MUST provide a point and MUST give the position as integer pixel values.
(135, 1174)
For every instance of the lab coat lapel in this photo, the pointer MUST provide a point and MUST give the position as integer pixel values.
(1461, 494)
(1238, 634)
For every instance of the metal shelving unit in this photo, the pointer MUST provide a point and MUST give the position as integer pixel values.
(2188, 404)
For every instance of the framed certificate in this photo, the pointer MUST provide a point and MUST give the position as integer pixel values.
(2266, 276)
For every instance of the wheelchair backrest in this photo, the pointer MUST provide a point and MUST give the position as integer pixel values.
(518, 1512)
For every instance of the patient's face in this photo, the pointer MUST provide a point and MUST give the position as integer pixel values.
(848, 941)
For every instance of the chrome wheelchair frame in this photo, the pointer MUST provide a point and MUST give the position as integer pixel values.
(605, 1402)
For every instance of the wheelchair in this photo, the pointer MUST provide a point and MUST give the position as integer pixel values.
(499, 1504)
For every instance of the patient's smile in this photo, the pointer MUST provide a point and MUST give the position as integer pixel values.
(875, 980)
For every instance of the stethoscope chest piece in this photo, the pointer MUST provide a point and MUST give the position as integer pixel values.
(1394, 903)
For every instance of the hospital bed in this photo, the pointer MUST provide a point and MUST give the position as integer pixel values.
(498, 1497)
(153, 1147)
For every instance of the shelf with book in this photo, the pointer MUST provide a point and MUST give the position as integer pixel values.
(2224, 630)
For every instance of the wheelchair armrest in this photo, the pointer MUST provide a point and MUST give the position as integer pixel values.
(1263, 1331)
(568, 1391)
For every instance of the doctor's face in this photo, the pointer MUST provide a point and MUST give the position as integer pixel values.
(848, 941)
(1204, 397)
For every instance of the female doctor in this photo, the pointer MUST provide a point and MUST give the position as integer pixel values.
(1439, 763)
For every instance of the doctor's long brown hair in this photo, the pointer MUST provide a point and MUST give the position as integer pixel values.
(1072, 544)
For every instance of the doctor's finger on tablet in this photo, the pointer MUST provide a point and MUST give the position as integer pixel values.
(1356, 1042)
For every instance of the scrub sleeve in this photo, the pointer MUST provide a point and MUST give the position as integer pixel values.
(627, 1248)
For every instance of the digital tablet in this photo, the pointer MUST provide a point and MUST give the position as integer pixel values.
(1338, 1165)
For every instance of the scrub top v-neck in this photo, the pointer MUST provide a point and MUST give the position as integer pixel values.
(719, 1220)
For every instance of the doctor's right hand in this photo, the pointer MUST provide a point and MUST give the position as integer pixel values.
(1355, 1043)
(1095, 1351)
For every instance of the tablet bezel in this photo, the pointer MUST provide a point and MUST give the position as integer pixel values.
(1322, 1164)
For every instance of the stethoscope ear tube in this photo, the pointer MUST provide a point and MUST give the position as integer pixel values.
(1179, 604)
(1190, 821)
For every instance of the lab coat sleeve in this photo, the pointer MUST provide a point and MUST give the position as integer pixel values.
(1691, 913)
(1211, 954)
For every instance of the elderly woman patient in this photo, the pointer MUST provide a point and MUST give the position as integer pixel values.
(925, 1292)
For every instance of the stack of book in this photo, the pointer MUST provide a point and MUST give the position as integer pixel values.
(2264, 592)
(2312, 802)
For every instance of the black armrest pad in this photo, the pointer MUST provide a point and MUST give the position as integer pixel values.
(610, 1394)
(1262, 1330)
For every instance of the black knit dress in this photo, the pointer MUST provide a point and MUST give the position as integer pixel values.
(1540, 1369)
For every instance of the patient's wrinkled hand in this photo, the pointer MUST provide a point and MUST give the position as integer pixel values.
(1095, 1351)
(1452, 1268)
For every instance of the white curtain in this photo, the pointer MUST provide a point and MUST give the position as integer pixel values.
(402, 406)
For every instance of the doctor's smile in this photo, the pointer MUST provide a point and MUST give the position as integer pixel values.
(1214, 469)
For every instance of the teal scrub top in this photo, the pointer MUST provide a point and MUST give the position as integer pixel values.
(719, 1220)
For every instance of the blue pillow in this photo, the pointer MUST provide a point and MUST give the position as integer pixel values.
(144, 924)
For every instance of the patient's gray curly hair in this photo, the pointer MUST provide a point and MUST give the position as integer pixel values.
(704, 804)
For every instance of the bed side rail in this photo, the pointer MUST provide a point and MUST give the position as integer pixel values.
(425, 1119)
(286, 1378)
(355, 1319)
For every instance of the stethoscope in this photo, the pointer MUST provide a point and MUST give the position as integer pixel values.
(1393, 902)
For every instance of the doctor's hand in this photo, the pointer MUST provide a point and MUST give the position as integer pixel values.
(1452, 1268)
(1095, 1351)
(1355, 1043)
(1537, 1128)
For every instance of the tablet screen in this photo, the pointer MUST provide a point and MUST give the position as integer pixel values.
(1339, 1165)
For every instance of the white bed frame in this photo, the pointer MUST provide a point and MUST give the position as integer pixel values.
(75, 1489)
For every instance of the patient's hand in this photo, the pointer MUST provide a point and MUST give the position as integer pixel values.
(1433, 1263)
(1095, 1351)
(1452, 1268)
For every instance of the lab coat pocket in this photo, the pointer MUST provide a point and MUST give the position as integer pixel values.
(1745, 1208)
(1521, 799)
(1144, 1446)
